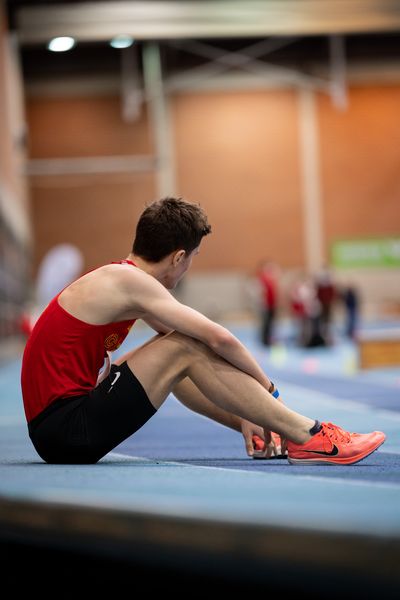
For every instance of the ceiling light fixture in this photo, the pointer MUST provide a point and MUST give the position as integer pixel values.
(61, 44)
(122, 41)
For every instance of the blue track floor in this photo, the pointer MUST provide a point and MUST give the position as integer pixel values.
(184, 465)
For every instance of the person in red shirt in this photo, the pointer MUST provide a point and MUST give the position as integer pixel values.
(80, 404)
(268, 279)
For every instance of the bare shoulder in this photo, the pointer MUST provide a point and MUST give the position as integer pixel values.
(119, 292)
(131, 281)
(110, 292)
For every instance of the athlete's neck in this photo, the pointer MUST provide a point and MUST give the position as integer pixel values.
(158, 270)
(148, 267)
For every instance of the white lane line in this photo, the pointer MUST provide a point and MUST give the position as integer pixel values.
(333, 480)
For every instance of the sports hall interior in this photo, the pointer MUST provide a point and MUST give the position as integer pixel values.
(281, 119)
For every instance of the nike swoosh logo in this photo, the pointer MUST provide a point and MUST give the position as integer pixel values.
(117, 376)
(333, 452)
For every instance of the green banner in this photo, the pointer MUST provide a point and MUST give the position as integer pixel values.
(376, 253)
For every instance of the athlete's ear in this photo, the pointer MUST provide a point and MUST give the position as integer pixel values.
(178, 257)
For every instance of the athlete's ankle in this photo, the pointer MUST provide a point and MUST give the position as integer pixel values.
(308, 429)
(316, 428)
(308, 433)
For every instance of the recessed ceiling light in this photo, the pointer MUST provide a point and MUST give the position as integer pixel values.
(122, 41)
(61, 44)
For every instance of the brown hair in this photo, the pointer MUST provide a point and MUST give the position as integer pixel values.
(169, 224)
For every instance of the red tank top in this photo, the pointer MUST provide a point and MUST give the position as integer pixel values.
(63, 356)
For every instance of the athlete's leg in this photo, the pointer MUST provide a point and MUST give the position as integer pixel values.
(165, 362)
(191, 397)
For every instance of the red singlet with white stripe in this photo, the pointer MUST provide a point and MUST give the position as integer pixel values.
(63, 356)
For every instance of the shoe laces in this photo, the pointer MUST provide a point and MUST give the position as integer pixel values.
(335, 433)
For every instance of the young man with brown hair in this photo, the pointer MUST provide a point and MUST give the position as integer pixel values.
(76, 415)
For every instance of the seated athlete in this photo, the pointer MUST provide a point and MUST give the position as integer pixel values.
(75, 415)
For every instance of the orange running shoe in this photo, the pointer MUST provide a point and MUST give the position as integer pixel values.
(333, 445)
(259, 446)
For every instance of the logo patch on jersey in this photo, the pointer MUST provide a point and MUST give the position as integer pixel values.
(112, 341)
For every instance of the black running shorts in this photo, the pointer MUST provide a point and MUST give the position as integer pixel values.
(83, 429)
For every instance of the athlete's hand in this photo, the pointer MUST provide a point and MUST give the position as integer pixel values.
(278, 446)
(248, 431)
(258, 440)
(270, 448)
(283, 446)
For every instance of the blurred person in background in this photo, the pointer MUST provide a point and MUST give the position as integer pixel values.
(306, 310)
(267, 275)
(60, 266)
(350, 297)
(326, 294)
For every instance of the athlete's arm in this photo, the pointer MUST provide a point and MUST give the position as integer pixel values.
(157, 325)
(158, 305)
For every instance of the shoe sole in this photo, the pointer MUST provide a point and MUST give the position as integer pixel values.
(336, 461)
